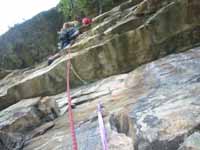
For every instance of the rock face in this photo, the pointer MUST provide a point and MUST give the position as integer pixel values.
(156, 106)
(169, 110)
(27, 115)
(192, 142)
(10, 141)
(153, 107)
(139, 40)
(153, 102)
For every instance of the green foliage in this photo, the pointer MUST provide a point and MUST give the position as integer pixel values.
(64, 6)
(71, 8)
(89, 7)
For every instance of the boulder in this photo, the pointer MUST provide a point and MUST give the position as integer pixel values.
(28, 114)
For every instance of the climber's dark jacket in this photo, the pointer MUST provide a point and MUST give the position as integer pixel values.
(67, 35)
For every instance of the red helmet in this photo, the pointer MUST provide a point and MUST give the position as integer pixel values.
(86, 21)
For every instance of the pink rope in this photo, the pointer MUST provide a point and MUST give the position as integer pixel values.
(71, 119)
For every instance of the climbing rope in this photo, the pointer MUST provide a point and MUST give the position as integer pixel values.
(71, 119)
(75, 72)
(77, 75)
(102, 128)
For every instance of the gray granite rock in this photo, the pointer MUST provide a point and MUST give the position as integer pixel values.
(192, 142)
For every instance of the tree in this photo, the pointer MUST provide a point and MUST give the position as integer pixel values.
(66, 6)
(89, 7)
(99, 6)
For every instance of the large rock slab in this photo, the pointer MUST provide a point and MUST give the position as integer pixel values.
(166, 106)
(156, 105)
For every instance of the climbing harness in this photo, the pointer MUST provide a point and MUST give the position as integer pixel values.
(102, 128)
(71, 119)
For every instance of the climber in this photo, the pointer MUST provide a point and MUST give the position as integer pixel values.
(71, 30)
(76, 23)
(67, 34)
(80, 22)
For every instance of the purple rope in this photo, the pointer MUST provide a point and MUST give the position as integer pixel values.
(102, 128)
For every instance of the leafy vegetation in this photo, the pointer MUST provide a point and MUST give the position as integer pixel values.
(71, 8)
